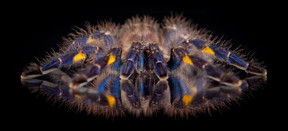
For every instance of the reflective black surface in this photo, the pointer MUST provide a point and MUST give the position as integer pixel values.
(142, 96)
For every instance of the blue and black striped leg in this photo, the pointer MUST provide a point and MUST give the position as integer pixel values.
(159, 63)
(131, 93)
(113, 59)
(67, 59)
(228, 57)
(141, 60)
(132, 57)
(234, 60)
(176, 57)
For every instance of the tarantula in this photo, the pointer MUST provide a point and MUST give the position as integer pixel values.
(145, 61)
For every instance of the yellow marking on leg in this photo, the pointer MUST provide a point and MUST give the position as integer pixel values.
(90, 40)
(111, 101)
(208, 50)
(186, 59)
(78, 96)
(79, 56)
(187, 99)
(111, 60)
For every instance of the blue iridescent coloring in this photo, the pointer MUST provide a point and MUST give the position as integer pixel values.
(78, 43)
(199, 44)
(115, 87)
(127, 68)
(68, 58)
(53, 64)
(175, 87)
(221, 53)
(140, 63)
(91, 71)
(102, 87)
(97, 35)
(108, 40)
(235, 60)
(88, 50)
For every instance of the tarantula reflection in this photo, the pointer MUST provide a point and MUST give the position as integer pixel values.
(140, 60)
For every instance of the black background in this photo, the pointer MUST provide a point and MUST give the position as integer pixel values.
(38, 29)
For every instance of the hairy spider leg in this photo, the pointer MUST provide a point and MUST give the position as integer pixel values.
(159, 63)
(176, 57)
(72, 57)
(112, 59)
(179, 54)
(149, 62)
(141, 60)
(83, 41)
(227, 56)
(131, 58)
(78, 50)
(79, 43)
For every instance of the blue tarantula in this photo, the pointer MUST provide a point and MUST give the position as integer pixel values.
(142, 66)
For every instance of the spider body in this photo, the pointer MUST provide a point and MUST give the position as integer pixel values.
(142, 61)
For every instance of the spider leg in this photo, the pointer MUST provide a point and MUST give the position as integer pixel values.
(140, 62)
(131, 58)
(77, 50)
(227, 56)
(159, 63)
(78, 43)
(72, 57)
(179, 55)
(112, 59)
(83, 41)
